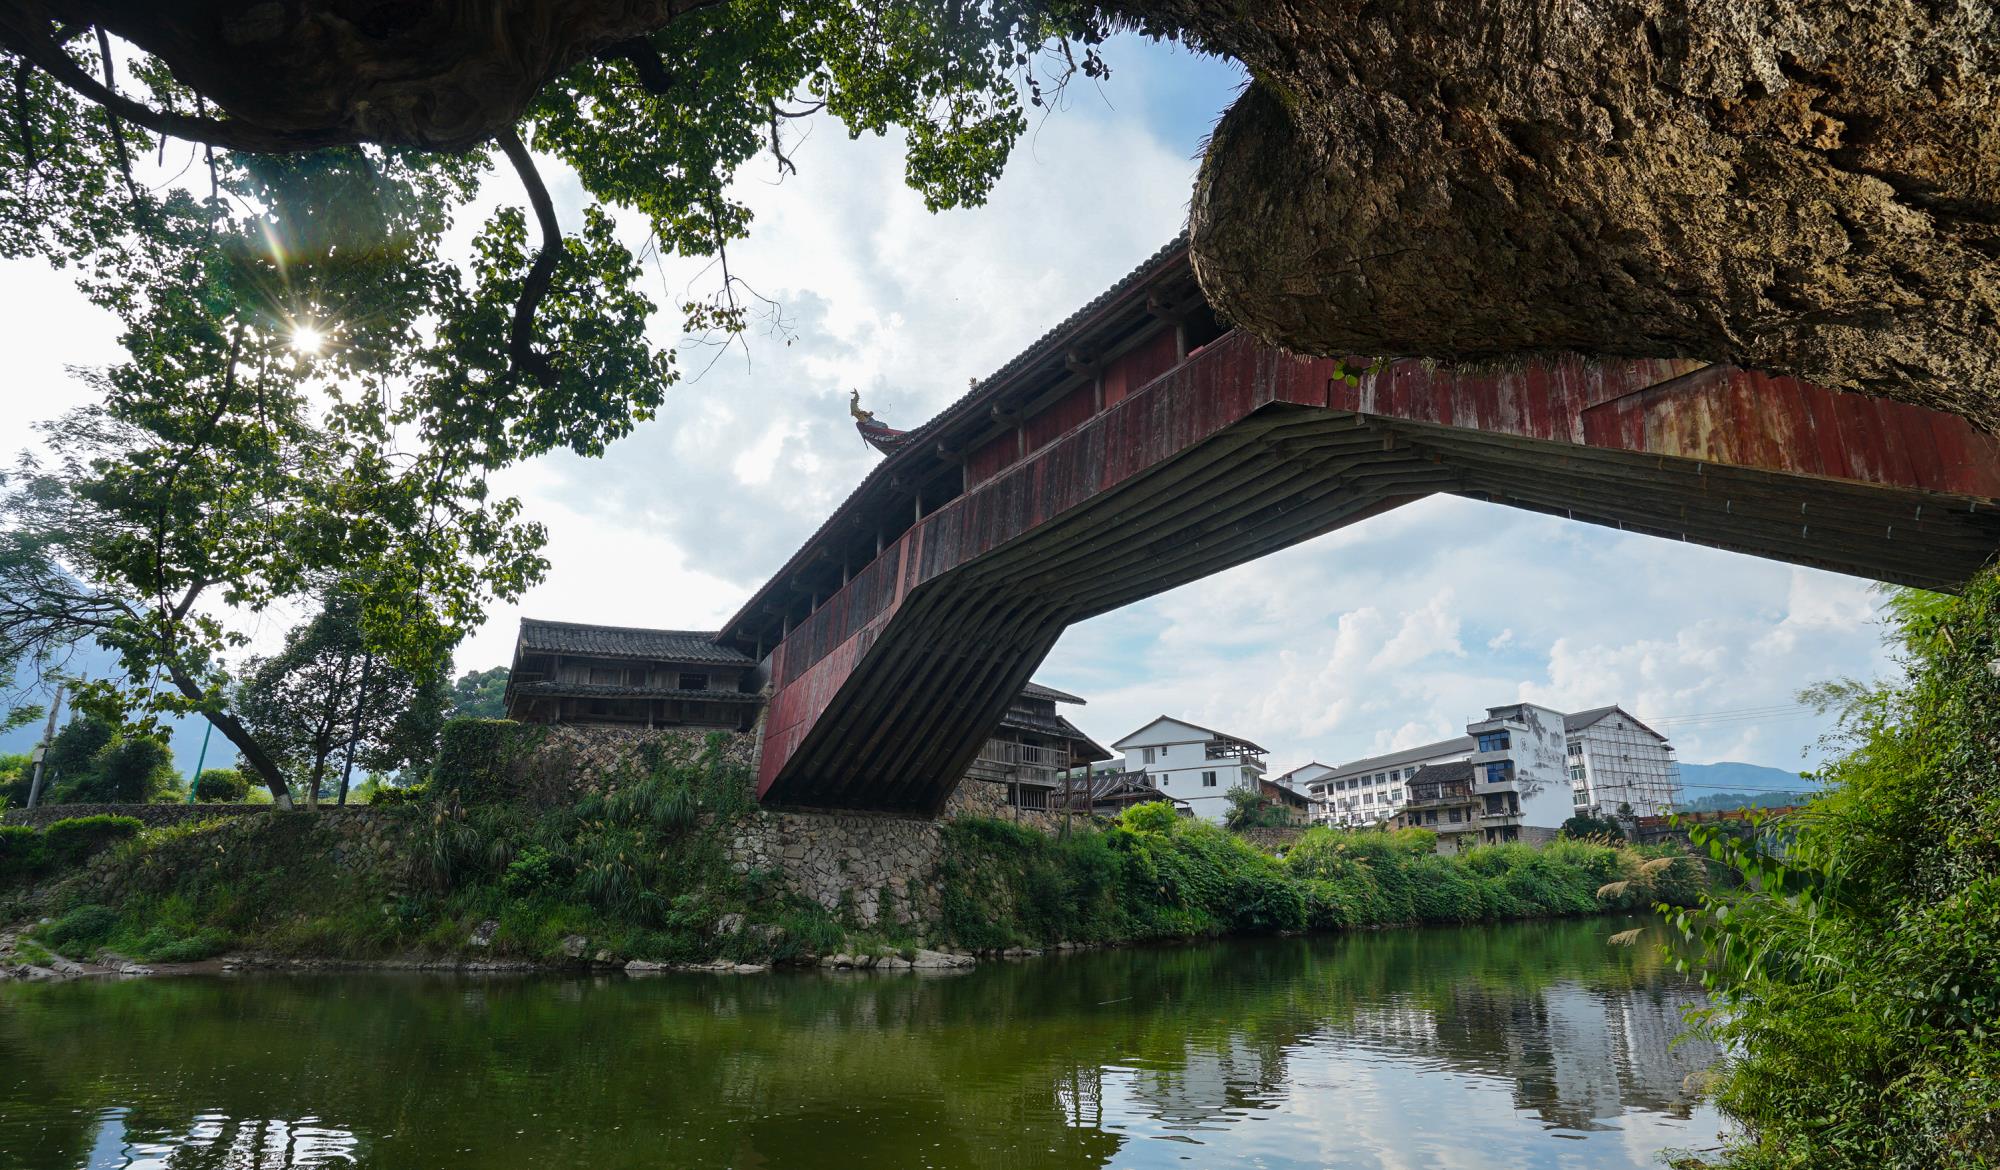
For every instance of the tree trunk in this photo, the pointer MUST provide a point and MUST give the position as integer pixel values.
(1804, 186)
(318, 774)
(232, 729)
(305, 74)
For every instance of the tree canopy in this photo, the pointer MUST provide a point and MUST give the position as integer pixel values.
(319, 375)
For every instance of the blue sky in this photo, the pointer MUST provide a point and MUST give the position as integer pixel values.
(1383, 635)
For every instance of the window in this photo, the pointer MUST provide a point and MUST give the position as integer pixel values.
(1368, 799)
(1494, 741)
(1249, 776)
(1340, 786)
(1576, 773)
(694, 682)
(1208, 779)
(1146, 754)
(1454, 816)
(1431, 817)
(1579, 796)
(1163, 750)
(1499, 772)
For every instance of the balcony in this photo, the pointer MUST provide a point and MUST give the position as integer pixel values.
(1232, 749)
(1439, 793)
(1022, 763)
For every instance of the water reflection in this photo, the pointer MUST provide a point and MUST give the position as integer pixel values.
(217, 1142)
(1523, 1046)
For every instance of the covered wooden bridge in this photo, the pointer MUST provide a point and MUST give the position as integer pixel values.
(1141, 445)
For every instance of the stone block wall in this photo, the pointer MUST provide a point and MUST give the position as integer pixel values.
(876, 869)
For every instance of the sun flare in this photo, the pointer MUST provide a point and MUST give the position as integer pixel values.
(307, 339)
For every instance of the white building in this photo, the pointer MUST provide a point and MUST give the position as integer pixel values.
(1530, 769)
(1617, 762)
(1367, 792)
(1191, 763)
(1520, 772)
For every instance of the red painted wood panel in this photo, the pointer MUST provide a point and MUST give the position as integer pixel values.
(987, 460)
(1063, 414)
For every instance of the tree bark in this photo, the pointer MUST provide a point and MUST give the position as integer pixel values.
(304, 74)
(1809, 187)
(232, 729)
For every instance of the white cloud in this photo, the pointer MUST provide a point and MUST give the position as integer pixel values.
(1357, 643)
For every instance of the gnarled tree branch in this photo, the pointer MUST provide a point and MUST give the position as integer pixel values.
(521, 352)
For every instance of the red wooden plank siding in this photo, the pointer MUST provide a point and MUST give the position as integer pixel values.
(1063, 414)
(987, 460)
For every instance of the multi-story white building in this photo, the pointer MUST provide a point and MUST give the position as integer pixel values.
(1367, 792)
(1517, 774)
(1191, 763)
(1617, 763)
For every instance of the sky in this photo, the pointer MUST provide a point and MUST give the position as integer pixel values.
(1384, 635)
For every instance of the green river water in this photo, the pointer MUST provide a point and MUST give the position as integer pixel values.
(1527, 1045)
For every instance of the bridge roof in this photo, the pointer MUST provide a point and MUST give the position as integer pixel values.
(956, 428)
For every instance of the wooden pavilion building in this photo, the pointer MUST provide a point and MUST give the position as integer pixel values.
(570, 672)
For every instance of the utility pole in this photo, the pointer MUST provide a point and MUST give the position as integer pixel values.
(42, 752)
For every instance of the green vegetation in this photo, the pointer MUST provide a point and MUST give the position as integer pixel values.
(1249, 810)
(480, 694)
(221, 786)
(324, 695)
(334, 338)
(636, 868)
(1856, 971)
(1724, 801)
(494, 857)
(1158, 876)
(1584, 827)
(27, 854)
(93, 761)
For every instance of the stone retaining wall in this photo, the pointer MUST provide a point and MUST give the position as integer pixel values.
(153, 815)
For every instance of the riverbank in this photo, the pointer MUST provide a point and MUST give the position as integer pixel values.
(662, 862)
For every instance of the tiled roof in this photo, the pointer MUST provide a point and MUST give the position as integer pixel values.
(1583, 719)
(577, 690)
(1447, 772)
(1210, 732)
(1463, 743)
(697, 646)
(1035, 690)
(917, 445)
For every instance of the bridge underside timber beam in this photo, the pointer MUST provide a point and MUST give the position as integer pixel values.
(882, 696)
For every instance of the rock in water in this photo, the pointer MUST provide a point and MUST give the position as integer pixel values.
(1808, 187)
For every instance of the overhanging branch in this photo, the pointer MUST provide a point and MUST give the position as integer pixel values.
(521, 352)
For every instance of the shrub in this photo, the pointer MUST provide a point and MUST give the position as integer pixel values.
(1155, 816)
(1583, 826)
(22, 853)
(387, 796)
(482, 760)
(221, 786)
(76, 839)
(82, 930)
(1853, 969)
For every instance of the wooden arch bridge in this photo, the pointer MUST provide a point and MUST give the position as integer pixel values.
(1140, 445)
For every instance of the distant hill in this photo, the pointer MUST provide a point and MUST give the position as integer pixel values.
(185, 734)
(1713, 787)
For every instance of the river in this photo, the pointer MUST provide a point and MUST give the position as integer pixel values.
(1525, 1045)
